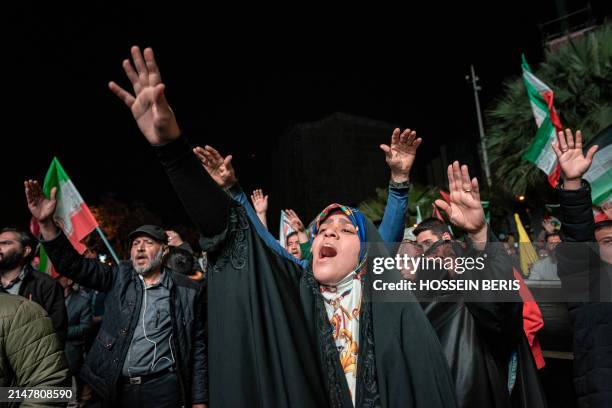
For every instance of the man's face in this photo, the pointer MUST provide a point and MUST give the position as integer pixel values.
(11, 251)
(552, 242)
(146, 254)
(426, 239)
(335, 249)
(603, 236)
(293, 246)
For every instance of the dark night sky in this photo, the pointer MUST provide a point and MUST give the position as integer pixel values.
(239, 84)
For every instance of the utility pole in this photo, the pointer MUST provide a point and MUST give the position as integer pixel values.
(473, 79)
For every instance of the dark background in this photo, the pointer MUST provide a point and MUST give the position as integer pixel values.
(242, 84)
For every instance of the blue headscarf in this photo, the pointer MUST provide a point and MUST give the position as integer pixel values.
(356, 218)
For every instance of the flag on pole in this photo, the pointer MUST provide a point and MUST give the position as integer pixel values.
(285, 229)
(527, 253)
(540, 151)
(72, 215)
(485, 207)
(599, 175)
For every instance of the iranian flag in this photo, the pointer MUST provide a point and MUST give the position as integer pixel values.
(600, 172)
(285, 229)
(540, 151)
(71, 214)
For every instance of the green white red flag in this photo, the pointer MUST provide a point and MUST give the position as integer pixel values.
(540, 151)
(72, 215)
(600, 172)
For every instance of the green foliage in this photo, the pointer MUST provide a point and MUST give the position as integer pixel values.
(580, 74)
(423, 196)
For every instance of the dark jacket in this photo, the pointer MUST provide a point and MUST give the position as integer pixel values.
(580, 270)
(103, 366)
(79, 325)
(47, 292)
(30, 353)
(479, 337)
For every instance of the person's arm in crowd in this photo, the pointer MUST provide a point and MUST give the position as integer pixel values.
(260, 204)
(575, 261)
(222, 172)
(79, 331)
(206, 204)
(199, 389)
(66, 260)
(502, 319)
(399, 155)
(34, 352)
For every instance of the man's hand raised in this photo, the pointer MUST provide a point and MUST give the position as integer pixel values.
(41, 207)
(465, 209)
(572, 160)
(148, 103)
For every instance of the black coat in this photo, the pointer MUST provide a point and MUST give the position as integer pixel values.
(581, 272)
(270, 338)
(79, 325)
(103, 366)
(47, 292)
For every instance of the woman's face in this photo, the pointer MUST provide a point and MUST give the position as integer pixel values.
(335, 249)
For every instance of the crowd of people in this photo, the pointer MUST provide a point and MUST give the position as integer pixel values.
(296, 322)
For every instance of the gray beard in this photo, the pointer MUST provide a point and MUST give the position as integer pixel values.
(155, 263)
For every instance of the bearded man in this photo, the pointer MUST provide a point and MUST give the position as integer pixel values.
(150, 350)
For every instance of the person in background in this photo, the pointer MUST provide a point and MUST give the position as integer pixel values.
(585, 269)
(80, 323)
(20, 278)
(546, 268)
(31, 355)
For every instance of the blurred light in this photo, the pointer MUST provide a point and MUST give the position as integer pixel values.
(521, 198)
(102, 258)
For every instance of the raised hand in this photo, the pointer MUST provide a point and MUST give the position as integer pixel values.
(41, 207)
(219, 168)
(571, 158)
(297, 225)
(148, 103)
(260, 201)
(295, 221)
(465, 209)
(401, 153)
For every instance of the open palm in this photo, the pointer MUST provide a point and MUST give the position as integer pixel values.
(400, 154)
(465, 209)
(219, 168)
(148, 103)
(41, 207)
(572, 160)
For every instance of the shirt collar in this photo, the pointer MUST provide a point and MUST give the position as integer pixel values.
(164, 280)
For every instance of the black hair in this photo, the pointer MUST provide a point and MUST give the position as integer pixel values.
(289, 236)
(25, 239)
(603, 224)
(436, 226)
(551, 234)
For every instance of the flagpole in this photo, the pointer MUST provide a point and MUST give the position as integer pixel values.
(110, 249)
(473, 79)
